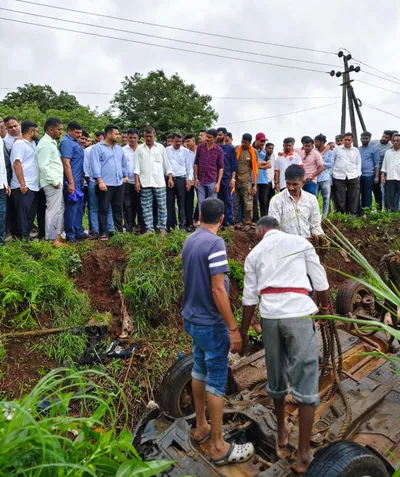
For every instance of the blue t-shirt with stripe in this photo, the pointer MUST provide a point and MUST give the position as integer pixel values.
(204, 255)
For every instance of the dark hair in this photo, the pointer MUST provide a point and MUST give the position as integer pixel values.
(74, 126)
(247, 137)
(51, 123)
(348, 134)
(110, 128)
(269, 144)
(99, 133)
(26, 126)
(189, 136)
(223, 130)
(85, 133)
(203, 130)
(387, 132)
(267, 222)
(174, 135)
(211, 132)
(307, 140)
(330, 142)
(9, 118)
(287, 140)
(366, 134)
(321, 137)
(229, 134)
(170, 136)
(132, 131)
(212, 210)
(149, 129)
(339, 136)
(294, 172)
(396, 135)
(124, 132)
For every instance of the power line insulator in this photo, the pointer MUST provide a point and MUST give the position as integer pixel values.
(348, 57)
(357, 69)
(340, 54)
(338, 74)
(351, 68)
(332, 73)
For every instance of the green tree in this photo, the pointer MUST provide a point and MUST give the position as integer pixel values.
(44, 96)
(167, 104)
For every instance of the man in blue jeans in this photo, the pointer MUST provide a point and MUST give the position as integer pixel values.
(325, 178)
(210, 322)
(370, 167)
(72, 157)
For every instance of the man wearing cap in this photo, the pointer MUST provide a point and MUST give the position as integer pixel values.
(247, 163)
(261, 196)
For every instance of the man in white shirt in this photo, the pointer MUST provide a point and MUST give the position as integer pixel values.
(283, 161)
(346, 172)
(25, 179)
(4, 191)
(13, 131)
(189, 142)
(182, 174)
(277, 278)
(151, 167)
(390, 174)
(132, 207)
(296, 210)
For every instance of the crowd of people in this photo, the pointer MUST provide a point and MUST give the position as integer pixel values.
(140, 187)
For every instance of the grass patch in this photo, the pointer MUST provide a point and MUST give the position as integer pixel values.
(237, 272)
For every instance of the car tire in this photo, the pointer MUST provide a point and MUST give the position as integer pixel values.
(346, 459)
(175, 383)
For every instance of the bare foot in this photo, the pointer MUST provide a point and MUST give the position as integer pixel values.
(302, 463)
(219, 451)
(283, 436)
(200, 433)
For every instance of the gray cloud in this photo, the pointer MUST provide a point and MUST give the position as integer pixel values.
(369, 29)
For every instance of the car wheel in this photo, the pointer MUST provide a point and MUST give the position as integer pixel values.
(175, 394)
(346, 459)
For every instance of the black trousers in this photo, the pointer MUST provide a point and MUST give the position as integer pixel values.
(114, 195)
(392, 189)
(25, 207)
(132, 208)
(41, 213)
(378, 194)
(189, 206)
(347, 195)
(261, 197)
(177, 192)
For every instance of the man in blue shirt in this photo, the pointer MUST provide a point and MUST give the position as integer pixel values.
(229, 176)
(209, 320)
(72, 156)
(261, 196)
(110, 169)
(370, 166)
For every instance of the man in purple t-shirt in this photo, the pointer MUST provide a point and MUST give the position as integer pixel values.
(210, 322)
(208, 167)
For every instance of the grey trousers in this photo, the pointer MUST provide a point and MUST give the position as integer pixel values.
(291, 356)
(54, 219)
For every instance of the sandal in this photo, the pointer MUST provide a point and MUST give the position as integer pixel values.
(236, 453)
(203, 440)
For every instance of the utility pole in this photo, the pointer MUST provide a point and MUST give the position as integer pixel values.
(348, 96)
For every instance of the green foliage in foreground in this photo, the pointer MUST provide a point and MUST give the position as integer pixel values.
(368, 217)
(41, 437)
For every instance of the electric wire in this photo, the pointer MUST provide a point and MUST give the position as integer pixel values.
(217, 35)
(282, 114)
(379, 87)
(376, 69)
(98, 35)
(371, 106)
(193, 43)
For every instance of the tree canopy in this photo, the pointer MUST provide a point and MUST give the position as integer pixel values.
(167, 104)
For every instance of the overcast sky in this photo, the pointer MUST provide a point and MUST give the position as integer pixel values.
(75, 62)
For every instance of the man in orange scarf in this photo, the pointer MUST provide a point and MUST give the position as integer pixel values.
(246, 156)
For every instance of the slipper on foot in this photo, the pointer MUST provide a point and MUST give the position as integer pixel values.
(236, 454)
(203, 440)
